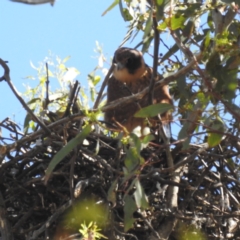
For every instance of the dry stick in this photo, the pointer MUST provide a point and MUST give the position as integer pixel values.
(35, 135)
(155, 60)
(103, 87)
(165, 229)
(22, 220)
(5, 226)
(73, 93)
(152, 84)
(35, 2)
(51, 219)
(6, 77)
(47, 89)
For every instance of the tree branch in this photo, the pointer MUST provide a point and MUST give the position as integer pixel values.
(6, 77)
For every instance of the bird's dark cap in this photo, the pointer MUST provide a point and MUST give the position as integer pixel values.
(128, 58)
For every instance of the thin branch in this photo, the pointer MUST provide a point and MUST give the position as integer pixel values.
(6, 77)
(34, 2)
(72, 98)
(47, 89)
(51, 219)
(5, 227)
(155, 59)
(104, 84)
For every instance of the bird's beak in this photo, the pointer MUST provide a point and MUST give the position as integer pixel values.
(118, 66)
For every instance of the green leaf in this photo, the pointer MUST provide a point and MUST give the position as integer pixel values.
(124, 12)
(186, 144)
(50, 74)
(126, 15)
(66, 150)
(111, 195)
(62, 67)
(226, 76)
(110, 7)
(34, 100)
(215, 138)
(188, 29)
(131, 186)
(161, 6)
(66, 59)
(183, 133)
(32, 125)
(132, 160)
(177, 22)
(192, 9)
(27, 120)
(42, 80)
(96, 80)
(207, 40)
(162, 26)
(210, 21)
(140, 196)
(182, 85)
(87, 211)
(203, 99)
(153, 110)
(129, 208)
(137, 142)
(190, 231)
(148, 139)
(148, 26)
(92, 94)
(146, 43)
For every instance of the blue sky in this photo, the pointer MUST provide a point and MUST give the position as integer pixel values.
(69, 28)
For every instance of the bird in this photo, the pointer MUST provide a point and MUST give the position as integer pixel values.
(130, 76)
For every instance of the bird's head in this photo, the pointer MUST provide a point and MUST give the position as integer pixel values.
(128, 64)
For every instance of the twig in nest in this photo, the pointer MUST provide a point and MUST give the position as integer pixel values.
(72, 98)
(47, 89)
